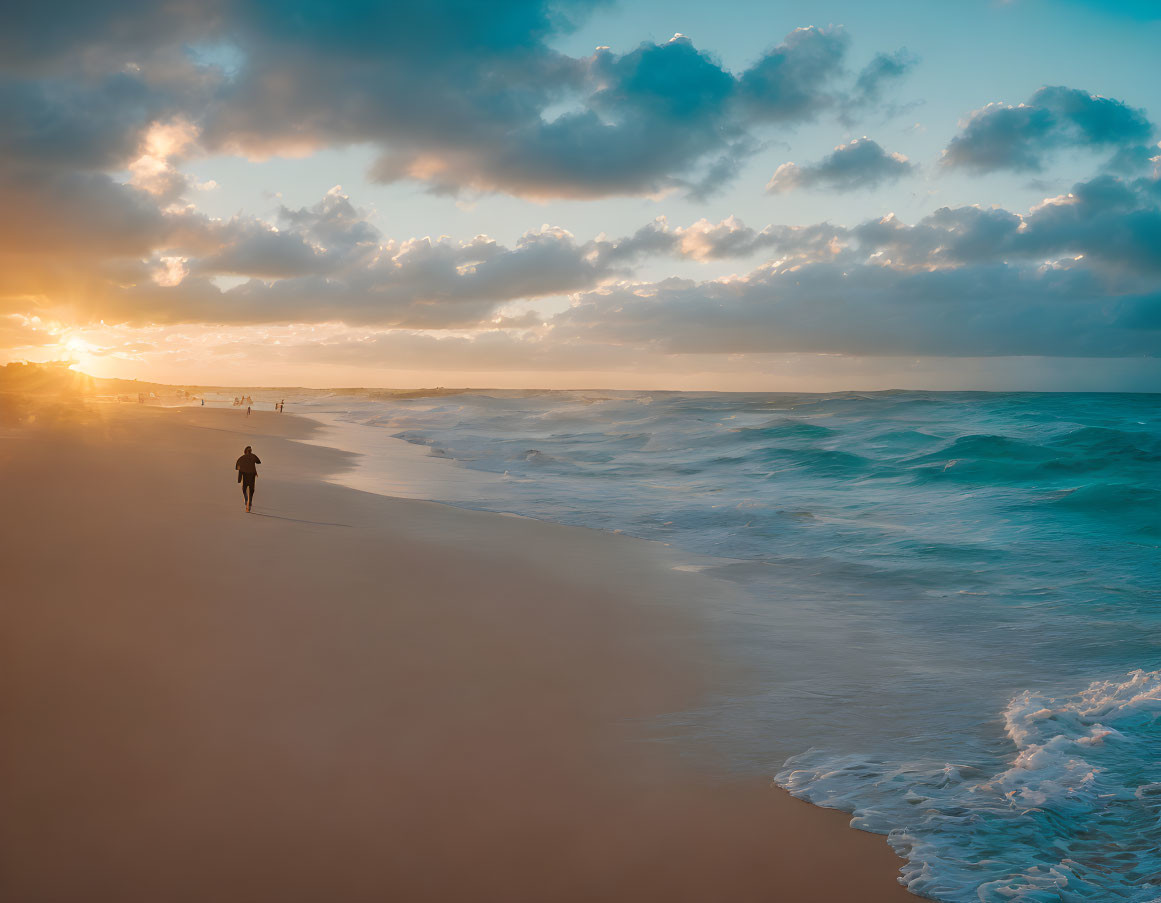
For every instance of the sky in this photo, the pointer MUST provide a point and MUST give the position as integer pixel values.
(654, 194)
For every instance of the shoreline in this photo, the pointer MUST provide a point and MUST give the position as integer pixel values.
(351, 695)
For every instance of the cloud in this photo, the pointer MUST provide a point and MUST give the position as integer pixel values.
(101, 117)
(22, 332)
(1077, 276)
(489, 349)
(881, 71)
(72, 33)
(868, 310)
(88, 164)
(75, 217)
(1022, 137)
(74, 124)
(1112, 224)
(329, 263)
(659, 117)
(322, 263)
(790, 82)
(731, 238)
(154, 169)
(454, 94)
(861, 163)
(653, 115)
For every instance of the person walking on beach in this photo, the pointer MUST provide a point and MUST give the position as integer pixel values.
(247, 474)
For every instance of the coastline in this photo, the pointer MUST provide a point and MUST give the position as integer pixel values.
(353, 696)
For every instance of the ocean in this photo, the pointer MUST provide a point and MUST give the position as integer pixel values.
(950, 606)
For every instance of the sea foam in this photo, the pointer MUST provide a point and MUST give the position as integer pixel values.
(1075, 815)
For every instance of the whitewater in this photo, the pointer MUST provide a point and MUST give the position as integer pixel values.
(950, 602)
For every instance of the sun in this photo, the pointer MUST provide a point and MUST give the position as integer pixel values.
(77, 345)
(83, 354)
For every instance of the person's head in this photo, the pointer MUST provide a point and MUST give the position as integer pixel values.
(247, 451)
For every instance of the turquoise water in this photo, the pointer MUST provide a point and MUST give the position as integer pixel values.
(951, 603)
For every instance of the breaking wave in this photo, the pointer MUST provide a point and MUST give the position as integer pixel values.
(1074, 814)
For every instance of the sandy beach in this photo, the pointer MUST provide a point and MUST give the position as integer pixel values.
(349, 697)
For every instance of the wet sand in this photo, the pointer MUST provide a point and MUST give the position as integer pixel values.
(346, 697)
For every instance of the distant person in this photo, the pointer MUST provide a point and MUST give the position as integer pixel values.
(247, 474)
(247, 410)
(203, 402)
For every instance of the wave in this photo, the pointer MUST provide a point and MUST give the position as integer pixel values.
(1111, 445)
(786, 428)
(903, 437)
(819, 461)
(1110, 498)
(1002, 460)
(1074, 815)
(1131, 506)
(987, 447)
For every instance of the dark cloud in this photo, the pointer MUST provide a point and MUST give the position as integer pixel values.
(791, 81)
(661, 116)
(881, 72)
(1021, 137)
(75, 217)
(456, 94)
(868, 310)
(64, 124)
(70, 34)
(861, 163)
(251, 247)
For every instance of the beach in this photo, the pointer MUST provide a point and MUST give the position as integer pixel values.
(345, 696)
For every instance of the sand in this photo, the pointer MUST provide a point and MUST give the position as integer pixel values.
(347, 697)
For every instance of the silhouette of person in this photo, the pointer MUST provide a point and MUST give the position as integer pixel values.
(247, 474)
